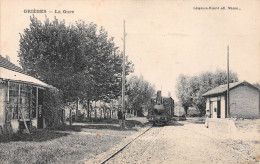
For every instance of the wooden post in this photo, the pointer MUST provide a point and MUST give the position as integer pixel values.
(7, 101)
(7, 127)
(123, 82)
(228, 103)
(7, 97)
(30, 103)
(22, 111)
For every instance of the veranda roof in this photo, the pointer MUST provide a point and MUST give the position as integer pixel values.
(13, 76)
(13, 73)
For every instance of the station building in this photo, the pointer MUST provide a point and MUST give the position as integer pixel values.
(21, 99)
(244, 101)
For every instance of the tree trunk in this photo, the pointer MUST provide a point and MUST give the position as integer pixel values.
(96, 115)
(101, 113)
(186, 110)
(77, 110)
(63, 116)
(90, 115)
(88, 104)
(70, 117)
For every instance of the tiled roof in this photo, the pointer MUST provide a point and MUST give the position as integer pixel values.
(8, 65)
(223, 88)
(14, 73)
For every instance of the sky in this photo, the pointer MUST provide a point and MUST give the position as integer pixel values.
(164, 38)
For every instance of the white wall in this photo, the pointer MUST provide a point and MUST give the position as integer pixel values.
(207, 106)
(223, 106)
(2, 102)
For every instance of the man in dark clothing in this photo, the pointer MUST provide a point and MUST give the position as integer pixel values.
(120, 115)
(120, 118)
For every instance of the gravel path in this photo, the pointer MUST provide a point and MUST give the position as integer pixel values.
(133, 152)
(187, 143)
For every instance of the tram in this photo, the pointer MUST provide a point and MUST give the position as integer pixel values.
(160, 109)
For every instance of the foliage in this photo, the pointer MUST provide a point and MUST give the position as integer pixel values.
(79, 60)
(139, 92)
(53, 107)
(257, 85)
(190, 88)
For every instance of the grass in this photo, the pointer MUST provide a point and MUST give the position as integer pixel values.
(67, 145)
(67, 149)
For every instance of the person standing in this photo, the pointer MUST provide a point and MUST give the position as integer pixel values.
(123, 122)
(120, 118)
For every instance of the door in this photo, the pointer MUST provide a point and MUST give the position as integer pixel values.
(40, 111)
(214, 109)
(218, 110)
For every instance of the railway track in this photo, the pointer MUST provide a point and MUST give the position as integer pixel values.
(107, 160)
(139, 149)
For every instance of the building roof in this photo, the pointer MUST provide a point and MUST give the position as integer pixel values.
(11, 72)
(223, 88)
(8, 65)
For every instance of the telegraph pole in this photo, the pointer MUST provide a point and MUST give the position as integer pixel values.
(123, 81)
(228, 103)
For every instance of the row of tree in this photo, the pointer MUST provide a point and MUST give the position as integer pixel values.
(80, 60)
(139, 93)
(189, 89)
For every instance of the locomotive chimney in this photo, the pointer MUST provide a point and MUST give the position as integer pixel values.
(159, 97)
(159, 94)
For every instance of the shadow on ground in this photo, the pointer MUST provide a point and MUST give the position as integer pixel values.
(107, 127)
(196, 120)
(108, 124)
(37, 136)
(64, 130)
(175, 123)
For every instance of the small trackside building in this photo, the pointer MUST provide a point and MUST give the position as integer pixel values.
(244, 101)
(21, 99)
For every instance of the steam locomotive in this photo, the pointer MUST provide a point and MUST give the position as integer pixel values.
(160, 109)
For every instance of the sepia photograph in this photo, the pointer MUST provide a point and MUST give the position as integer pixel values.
(129, 82)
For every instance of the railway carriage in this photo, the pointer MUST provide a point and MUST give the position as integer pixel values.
(160, 110)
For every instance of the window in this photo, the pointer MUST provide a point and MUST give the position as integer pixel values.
(13, 100)
(21, 99)
(25, 101)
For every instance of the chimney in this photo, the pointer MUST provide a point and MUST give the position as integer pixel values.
(159, 97)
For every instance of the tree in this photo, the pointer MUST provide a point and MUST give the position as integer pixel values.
(79, 59)
(52, 53)
(257, 85)
(184, 91)
(139, 93)
(53, 107)
(190, 88)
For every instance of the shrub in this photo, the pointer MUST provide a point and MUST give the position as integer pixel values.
(53, 107)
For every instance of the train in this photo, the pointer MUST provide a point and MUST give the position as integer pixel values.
(160, 109)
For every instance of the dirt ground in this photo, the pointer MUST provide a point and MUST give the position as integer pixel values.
(180, 142)
(190, 142)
